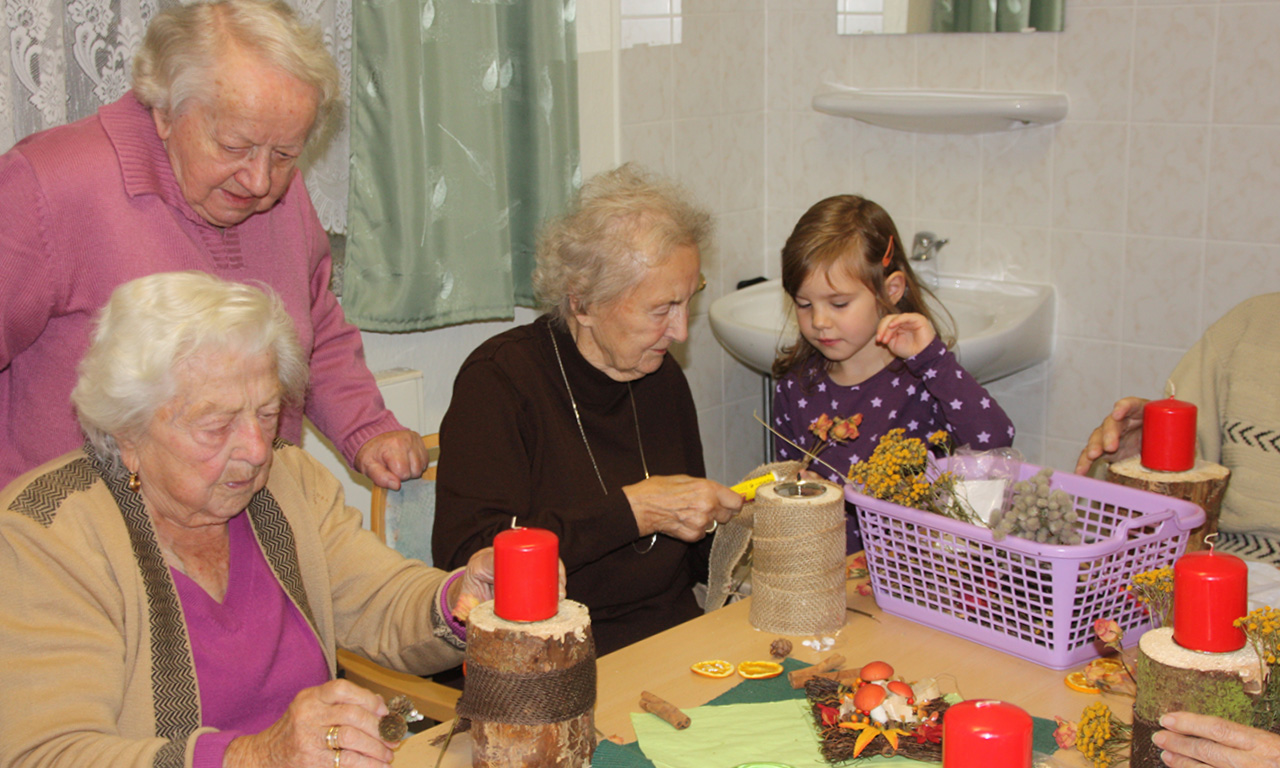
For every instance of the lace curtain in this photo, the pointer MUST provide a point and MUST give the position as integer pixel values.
(65, 58)
(465, 138)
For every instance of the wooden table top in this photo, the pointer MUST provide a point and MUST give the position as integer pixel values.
(661, 664)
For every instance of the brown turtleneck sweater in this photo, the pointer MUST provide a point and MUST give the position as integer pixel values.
(510, 447)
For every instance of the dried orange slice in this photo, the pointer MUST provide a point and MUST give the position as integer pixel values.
(713, 668)
(1076, 681)
(1105, 666)
(759, 670)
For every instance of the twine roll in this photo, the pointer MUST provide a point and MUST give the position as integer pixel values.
(797, 570)
(798, 549)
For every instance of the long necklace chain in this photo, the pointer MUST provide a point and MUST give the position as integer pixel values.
(581, 431)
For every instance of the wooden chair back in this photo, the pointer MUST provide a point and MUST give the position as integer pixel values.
(432, 699)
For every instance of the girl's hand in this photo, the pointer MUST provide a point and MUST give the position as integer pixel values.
(905, 335)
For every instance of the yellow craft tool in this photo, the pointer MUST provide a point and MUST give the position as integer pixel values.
(748, 487)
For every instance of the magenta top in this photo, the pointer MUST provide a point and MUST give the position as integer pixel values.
(253, 652)
(90, 205)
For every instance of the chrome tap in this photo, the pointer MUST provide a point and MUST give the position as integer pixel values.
(924, 251)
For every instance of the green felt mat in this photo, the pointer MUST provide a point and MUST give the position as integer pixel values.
(610, 755)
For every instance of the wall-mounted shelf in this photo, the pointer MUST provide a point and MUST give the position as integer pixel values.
(925, 111)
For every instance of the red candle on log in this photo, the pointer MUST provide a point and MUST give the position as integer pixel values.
(526, 574)
(1169, 435)
(1210, 591)
(986, 734)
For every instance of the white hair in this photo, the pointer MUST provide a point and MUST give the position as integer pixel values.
(151, 325)
(622, 223)
(179, 56)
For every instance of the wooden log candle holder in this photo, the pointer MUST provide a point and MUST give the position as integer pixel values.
(1173, 679)
(530, 689)
(1204, 485)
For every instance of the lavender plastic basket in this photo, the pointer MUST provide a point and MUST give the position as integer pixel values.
(1036, 601)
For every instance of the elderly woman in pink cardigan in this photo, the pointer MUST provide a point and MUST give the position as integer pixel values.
(195, 168)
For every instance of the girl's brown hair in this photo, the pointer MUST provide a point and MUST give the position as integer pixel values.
(859, 235)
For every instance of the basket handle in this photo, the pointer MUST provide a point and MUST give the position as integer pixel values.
(1142, 521)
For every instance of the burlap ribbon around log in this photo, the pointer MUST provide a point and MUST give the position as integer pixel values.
(797, 562)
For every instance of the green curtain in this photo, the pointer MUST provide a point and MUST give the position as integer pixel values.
(997, 15)
(464, 138)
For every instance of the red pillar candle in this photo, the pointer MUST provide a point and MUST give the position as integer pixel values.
(1169, 435)
(526, 574)
(1210, 591)
(986, 734)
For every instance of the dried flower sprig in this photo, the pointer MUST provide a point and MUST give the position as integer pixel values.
(1154, 589)
(1102, 737)
(806, 455)
(830, 430)
(1065, 734)
(1111, 634)
(838, 429)
(898, 471)
(1262, 627)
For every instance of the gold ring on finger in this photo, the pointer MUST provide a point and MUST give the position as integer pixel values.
(337, 758)
(714, 525)
(331, 738)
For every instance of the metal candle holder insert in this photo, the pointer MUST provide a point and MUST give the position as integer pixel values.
(796, 489)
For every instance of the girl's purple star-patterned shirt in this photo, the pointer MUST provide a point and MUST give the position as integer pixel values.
(920, 394)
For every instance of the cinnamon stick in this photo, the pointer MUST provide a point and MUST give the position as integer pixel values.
(842, 676)
(831, 663)
(664, 709)
(847, 676)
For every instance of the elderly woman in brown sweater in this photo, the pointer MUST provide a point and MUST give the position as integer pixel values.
(582, 423)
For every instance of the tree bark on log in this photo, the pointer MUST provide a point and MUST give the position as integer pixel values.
(1203, 485)
(505, 649)
(1173, 679)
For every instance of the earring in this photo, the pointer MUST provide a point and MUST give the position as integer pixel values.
(134, 483)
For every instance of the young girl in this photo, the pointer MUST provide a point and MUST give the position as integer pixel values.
(867, 346)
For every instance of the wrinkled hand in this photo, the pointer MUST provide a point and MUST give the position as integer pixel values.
(297, 739)
(905, 335)
(1119, 436)
(1195, 741)
(390, 457)
(476, 584)
(680, 506)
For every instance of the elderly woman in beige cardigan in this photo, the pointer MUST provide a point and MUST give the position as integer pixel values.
(176, 589)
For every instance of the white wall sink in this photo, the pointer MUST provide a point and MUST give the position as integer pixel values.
(1002, 328)
(942, 111)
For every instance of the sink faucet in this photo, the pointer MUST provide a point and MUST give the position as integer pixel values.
(924, 251)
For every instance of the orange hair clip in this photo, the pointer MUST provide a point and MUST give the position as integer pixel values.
(888, 254)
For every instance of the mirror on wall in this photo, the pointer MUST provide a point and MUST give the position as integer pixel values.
(875, 17)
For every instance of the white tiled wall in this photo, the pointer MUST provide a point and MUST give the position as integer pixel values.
(1152, 207)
